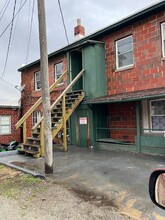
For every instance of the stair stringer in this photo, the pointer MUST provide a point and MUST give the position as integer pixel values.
(68, 114)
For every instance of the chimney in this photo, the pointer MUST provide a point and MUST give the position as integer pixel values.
(79, 31)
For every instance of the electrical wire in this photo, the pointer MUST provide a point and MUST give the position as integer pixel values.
(13, 19)
(4, 9)
(9, 83)
(30, 31)
(63, 21)
(10, 36)
(16, 23)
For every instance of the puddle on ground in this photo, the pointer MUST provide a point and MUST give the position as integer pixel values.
(98, 200)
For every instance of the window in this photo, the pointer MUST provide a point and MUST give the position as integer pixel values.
(158, 115)
(124, 52)
(36, 117)
(5, 125)
(37, 81)
(163, 38)
(58, 68)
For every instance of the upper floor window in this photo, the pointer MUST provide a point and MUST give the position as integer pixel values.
(5, 124)
(37, 81)
(58, 68)
(158, 115)
(163, 38)
(124, 52)
(36, 117)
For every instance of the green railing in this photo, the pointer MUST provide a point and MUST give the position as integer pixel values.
(115, 134)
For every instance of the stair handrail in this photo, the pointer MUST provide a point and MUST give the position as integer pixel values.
(60, 96)
(39, 101)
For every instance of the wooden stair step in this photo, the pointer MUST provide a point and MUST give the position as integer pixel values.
(74, 92)
(28, 151)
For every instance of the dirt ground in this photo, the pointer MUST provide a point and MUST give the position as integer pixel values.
(25, 197)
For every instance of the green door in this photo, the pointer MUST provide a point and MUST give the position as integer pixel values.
(82, 127)
(76, 67)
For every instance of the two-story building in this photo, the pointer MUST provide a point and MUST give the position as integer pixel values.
(121, 72)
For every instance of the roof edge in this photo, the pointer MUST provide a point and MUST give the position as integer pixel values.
(159, 6)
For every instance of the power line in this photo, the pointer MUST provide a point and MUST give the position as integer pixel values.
(13, 19)
(63, 21)
(8, 49)
(30, 31)
(4, 9)
(14, 32)
(8, 83)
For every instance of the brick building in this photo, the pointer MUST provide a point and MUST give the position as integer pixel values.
(9, 116)
(123, 81)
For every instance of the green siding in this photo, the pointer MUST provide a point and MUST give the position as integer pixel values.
(92, 59)
(94, 64)
(152, 145)
(82, 134)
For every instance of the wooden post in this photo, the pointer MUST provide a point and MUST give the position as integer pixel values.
(64, 123)
(24, 132)
(45, 89)
(42, 138)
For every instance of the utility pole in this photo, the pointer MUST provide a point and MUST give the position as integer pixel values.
(48, 148)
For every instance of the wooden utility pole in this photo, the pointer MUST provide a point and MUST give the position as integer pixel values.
(48, 148)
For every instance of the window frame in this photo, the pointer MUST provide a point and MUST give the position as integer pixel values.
(35, 81)
(37, 117)
(117, 59)
(150, 116)
(163, 39)
(9, 125)
(55, 73)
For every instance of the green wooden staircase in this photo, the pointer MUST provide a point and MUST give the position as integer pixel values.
(61, 110)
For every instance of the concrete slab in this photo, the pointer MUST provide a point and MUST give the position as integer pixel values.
(119, 178)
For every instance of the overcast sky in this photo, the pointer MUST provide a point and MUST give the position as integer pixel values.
(94, 15)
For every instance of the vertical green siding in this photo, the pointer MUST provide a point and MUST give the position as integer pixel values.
(82, 134)
(91, 58)
(94, 64)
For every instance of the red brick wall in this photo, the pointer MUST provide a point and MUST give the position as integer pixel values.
(29, 96)
(122, 115)
(15, 133)
(149, 68)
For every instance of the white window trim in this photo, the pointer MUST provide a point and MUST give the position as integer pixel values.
(35, 81)
(127, 66)
(145, 116)
(38, 117)
(163, 39)
(55, 75)
(155, 115)
(9, 125)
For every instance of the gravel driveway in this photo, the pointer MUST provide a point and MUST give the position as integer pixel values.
(24, 197)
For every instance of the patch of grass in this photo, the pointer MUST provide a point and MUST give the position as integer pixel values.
(13, 184)
(11, 192)
(1, 167)
(29, 180)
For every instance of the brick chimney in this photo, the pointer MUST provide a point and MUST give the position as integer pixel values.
(79, 31)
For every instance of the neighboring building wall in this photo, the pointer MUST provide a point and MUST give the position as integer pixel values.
(29, 96)
(15, 133)
(122, 121)
(148, 70)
